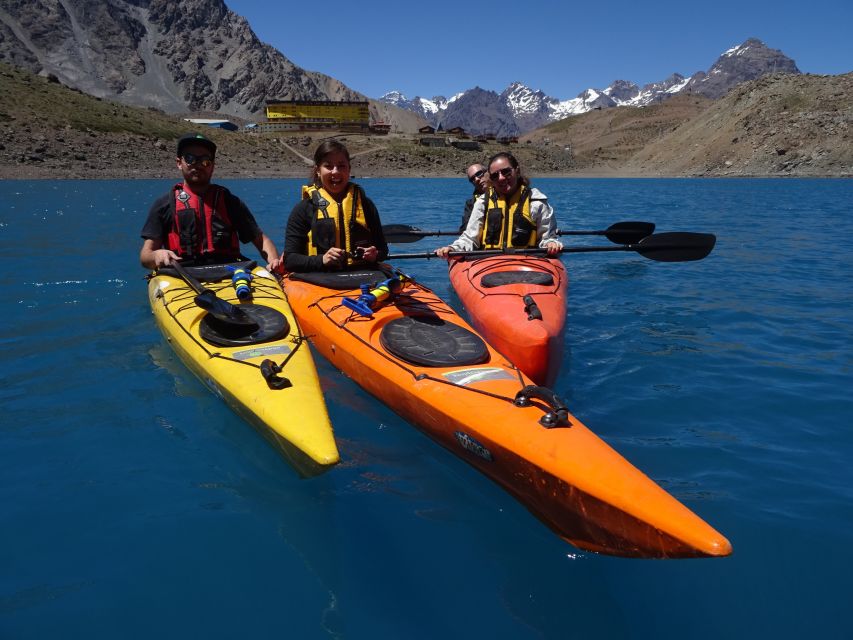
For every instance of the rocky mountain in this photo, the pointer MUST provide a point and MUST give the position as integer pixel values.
(531, 109)
(779, 125)
(186, 56)
(427, 108)
(749, 61)
(489, 110)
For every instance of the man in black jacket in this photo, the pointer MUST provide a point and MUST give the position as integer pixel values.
(479, 177)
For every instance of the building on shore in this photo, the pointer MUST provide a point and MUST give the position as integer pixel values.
(381, 128)
(316, 115)
(459, 132)
(467, 145)
(432, 141)
(216, 124)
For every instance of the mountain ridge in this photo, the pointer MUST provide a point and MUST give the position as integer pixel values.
(776, 126)
(135, 51)
(531, 108)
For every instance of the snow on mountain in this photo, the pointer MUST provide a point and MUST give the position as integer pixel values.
(532, 108)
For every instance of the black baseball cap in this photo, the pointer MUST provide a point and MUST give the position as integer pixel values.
(196, 138)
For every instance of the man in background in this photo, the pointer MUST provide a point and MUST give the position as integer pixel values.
(479, 177)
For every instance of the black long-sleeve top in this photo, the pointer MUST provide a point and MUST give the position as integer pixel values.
(299, 225)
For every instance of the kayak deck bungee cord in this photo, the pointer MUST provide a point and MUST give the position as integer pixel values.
(250, 352)
(518, 304)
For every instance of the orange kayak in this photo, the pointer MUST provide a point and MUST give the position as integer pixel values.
(419, 357)
(518, 304)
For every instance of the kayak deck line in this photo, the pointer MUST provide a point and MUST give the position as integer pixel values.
(516, 308)
(407, 303)
(563, 473)
(293, 417)
(187, 297)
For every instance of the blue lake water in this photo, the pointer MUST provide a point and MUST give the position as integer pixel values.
(135, 504)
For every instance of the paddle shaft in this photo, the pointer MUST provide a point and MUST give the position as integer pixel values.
(484, 253)
(618, 233)
(664, 247)
(195, 284)
(423, 234)
(207, 300)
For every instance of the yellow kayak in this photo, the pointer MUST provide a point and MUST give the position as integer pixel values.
(261, 367)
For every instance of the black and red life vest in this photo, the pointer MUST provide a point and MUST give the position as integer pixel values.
(201, 227)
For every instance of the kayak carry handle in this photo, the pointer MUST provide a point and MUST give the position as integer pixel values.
(531, 308)
(269, 369)
(559, 414)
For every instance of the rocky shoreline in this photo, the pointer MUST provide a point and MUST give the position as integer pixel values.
(74, 155)
(30, 154)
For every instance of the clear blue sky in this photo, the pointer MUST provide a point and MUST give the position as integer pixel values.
(562, 48)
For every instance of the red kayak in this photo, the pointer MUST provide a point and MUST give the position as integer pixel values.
(518, 304)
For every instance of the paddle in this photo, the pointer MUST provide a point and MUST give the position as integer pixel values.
(675, 246)
(618, 233)
(218, 308)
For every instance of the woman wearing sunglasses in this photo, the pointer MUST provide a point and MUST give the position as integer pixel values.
(335, 226)
(511, 215)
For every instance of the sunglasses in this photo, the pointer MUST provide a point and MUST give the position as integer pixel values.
(205, 161)
(505, 172)
(476, 176)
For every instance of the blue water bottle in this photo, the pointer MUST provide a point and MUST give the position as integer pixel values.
(241, 278)
(372, 298)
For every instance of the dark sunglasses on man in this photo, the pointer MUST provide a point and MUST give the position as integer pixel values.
(476, 176)
(191, 159)
(505, 172)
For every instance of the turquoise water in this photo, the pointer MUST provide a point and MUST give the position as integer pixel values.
(135, 504)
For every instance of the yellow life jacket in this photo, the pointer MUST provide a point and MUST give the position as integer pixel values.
(341, 225)
(508, 224)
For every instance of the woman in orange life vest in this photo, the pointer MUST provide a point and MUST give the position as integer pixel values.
(335, 226)
(510, 214)
(197, 221)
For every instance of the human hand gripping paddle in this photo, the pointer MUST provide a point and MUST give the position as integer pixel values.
(218, 308)
(674, 246)
(618, 233)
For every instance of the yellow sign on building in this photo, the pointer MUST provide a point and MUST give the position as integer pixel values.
(320, 114)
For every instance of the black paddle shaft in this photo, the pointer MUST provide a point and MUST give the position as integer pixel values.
(207, 300)
(618, 233)
(675, 246)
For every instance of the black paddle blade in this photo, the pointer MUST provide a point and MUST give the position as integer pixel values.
(629, 232)
(223, 310)
(676, 246)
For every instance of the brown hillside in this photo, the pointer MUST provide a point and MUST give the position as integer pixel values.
(780, 125)
(602, 141)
